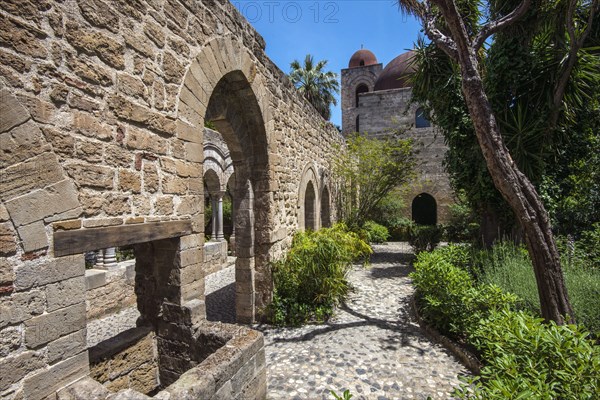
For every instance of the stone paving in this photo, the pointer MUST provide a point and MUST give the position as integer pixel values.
(371, 346)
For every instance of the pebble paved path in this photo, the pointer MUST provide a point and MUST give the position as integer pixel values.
(371, 346)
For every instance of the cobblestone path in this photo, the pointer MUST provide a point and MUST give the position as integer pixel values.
(370, 347)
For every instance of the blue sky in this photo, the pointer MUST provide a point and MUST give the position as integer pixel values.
(330, 30)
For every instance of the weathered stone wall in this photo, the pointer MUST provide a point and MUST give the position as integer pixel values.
(109, 291)
(127, 361)
(102, 108)
(389, 111)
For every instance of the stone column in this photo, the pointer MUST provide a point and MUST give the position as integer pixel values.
(99, 259)
(220, 236)
(232, 237)
(214, 206)
(110, 257)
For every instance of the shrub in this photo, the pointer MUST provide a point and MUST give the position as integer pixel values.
(424, 237)
(448, 297)
(590, 244)
(526, 358)
(401, 230)
(376, 233)
(462, 225)
(509, 267)
(311, 279)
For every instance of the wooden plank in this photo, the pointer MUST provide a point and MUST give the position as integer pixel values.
(82, 240)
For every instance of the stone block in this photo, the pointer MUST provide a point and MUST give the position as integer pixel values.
(95, 278)
(190, 274)
(37, 205)
(35, 173)
(65, 293)
(21, 306)
(172, 68)
(33, 236)
(128, 110)
(89, 125)
(44, 271)
(48, 381)
(174, 185)
(8, 243)
(191, 256)
(90, 71)
(138, 139)
(100, 14)
(95, 43)
(67, 346)
(10, 340)
(194, 152)
(22, 142)
(163, 205)
(84, 389)
(95, 223)
(193, 291)
(189, 133)
(94, 176)
(191, 241)
(15, 368)
(130, 85)
(51, 326)
(67, 225)
(21, 37)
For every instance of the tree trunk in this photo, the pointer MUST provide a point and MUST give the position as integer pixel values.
(514, 186)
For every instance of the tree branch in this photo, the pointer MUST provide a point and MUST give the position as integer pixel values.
(431, 30)
(576, 45)
(494, 26)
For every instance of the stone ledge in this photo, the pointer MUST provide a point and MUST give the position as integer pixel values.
(468, 359)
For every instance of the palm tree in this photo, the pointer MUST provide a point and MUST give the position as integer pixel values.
(316, 84)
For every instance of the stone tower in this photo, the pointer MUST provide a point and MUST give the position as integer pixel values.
(360, 77)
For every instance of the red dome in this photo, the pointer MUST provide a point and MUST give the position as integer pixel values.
(362, 58)
(396, 74)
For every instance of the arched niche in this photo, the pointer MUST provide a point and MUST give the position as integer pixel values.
(424, 209)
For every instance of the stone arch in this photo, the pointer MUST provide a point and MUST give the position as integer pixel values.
(308, 185)
(222, 86)
(361, 88)
(424, 209)
(422, 118)
(212, 180)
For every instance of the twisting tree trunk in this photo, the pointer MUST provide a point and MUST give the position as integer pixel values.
(514, 186)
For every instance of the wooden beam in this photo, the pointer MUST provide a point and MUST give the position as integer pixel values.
(82, 240)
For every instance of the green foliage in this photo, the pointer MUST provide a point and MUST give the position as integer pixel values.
(523, 356)
(462, 226)
(448, 296)
(424, 237)
(509, 267)
(521, 67)
(390, 211)
(368, 169)
(311, 280)
(317, 85)
(590, 245)
(210, 125)
(376, 233)
(526, 358)
(345, 396)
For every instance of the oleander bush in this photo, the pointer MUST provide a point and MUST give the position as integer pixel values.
(312, 279)
(523, 357)
(375, 232)
(526, 358)
(424, 237)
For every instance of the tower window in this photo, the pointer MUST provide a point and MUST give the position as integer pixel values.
(422, 118)
(358, 123)
(362, 63)
(362, 88)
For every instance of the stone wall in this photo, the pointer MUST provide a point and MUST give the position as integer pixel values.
(109, 291)
(127, 361)
(102, 108)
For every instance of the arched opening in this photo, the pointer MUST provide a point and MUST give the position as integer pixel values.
(362, 88)
(234, 111)
(422, 118)
(310, 200)
(362, 63)
(325, 209)
(358, 123)
(424, 210)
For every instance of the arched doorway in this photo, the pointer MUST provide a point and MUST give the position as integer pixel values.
(234, 111)
(424, 209)
(325, 209)
(310, 200)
